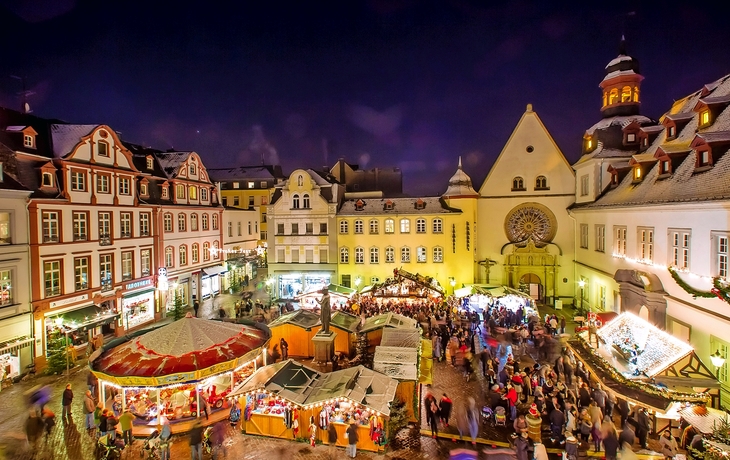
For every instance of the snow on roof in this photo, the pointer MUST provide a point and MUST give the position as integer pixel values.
(376, 206)
(682, 116)
(619, 58)
(15, 128)
(652, 129)
(622, 121)
(618, 73)
(66, 137)
(657, 350)
(170, 162)
(397, 362)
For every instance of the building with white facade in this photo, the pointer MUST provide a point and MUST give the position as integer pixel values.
(241, 251)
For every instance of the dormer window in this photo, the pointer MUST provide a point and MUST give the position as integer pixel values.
(359, 205)
(143, 190)
(193, 170)
(665, 166)
(150, 163)
(165, 192)
(388, 205)
(47, 179)
(703, 158)
(704, 118)
(518, 184)
(102, 149)
(637, 173)
(630, 138)
(671, 132)
(420, 204)
(29, 141)
(645, 142)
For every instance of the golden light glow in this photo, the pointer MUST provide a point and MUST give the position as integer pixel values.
(637, 173)
(705, 117)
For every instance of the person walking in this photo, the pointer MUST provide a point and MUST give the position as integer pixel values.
(125, 422)
(196, 307)
(332, 439)
(610, 440)
(165, 439)
(312, 432)
(49, 421)
(351, 435)
(432, 414)
(196, 441)
(627, 436)
(33, 428)
(643, 425)
(445, 406)
(523, 447)
(472, 416)
(89, 408)
(217, 439)
(66, 400)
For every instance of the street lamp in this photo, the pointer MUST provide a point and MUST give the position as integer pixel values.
(717, 361)
(452, 282)
(582, 284)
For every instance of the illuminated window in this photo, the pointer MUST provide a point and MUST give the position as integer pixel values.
(631, 137)
(169, 257)
(81, 273)
(605, 98)
(195, 249)
(705, 117)
(127, 266)
(626, 94)
(589, 144)
(613, 96)
(145, 256)
(124, 188)
(29, 141)
(214, 221)
(405, 254)
(194, 222)
(704, 158)
(183, 255)
(193, 192)
(665, 166)
(672, 131)
(389, 255)
(405, 226)
(206, 251)
(344, 256)
(125, 224)
(636, 94)
(52, 278)
(389, 226)
(80, 226)
(637, 173)
(180, 192)
(106, 272)
(421, 255)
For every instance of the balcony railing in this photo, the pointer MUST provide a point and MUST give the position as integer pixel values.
(50, 238)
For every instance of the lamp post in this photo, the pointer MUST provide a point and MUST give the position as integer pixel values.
(582, 284)
(452, 282)
(717, 361)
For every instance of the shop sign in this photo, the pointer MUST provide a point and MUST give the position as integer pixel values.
(70, 300)
(175, 378)
(217, 369)
(138, 284)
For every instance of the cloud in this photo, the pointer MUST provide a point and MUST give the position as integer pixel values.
(383, 125)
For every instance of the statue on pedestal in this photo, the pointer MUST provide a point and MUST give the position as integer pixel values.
(326, 310)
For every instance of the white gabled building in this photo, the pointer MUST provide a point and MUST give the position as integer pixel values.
(525, 233)
(653, 196)
(240, 239)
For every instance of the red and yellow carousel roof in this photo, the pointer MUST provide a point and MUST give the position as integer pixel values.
(185, 350)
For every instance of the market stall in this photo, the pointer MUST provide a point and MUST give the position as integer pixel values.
(405, 285)
(641, 363)
(177, 370)
(279, 399)
(346, 326)
(480, 297)
(339, 295)
(373, 326)
(400, 356)
(297, 328)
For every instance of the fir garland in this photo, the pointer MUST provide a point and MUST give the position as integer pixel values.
(721, 290)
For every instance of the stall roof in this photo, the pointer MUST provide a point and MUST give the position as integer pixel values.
(418, 282)
(345, 321)
(490, 290)
(704, 419)
(183, 347)
(360, 384)
(397, 362)
(659, 350)
(406, 338)
(288, 379)
(302, 318)
(334, 289)
(389, 319)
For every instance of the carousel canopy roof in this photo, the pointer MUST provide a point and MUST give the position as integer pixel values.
(302, 318)
(345, 321)
(360, 384)
(188, 345)
(388, 320)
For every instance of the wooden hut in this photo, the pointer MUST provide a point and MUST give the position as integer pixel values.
(297, 328)
(398, 357)
(345, 325)
(374, 325)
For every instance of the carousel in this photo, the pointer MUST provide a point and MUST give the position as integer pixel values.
(178, 371)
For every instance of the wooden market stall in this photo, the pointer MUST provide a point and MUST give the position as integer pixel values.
(170, 372)
(279, 399)
(398, 357)
(648, 367)
(346, 326)
(339, 295)
(373, 326)
(297, 328)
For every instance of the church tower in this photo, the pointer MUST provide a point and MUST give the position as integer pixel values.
(621, 85)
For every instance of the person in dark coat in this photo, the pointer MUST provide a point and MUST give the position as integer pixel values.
(445, 406)
(196, 307)
(352, 439)
(584, 396)
(332, 438)
(66, 400)
(431, 406)
(643, 425)
(568, 371)
(523, 448)
(627, 435)
(622, 407)
(284, 349)
(610, 442)
(557, 422)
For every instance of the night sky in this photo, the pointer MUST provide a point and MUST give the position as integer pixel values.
(412, 84)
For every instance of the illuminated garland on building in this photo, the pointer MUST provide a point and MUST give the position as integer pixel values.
(599, 362)
(721, 289)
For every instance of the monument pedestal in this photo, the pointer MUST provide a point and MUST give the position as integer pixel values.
(324, 346)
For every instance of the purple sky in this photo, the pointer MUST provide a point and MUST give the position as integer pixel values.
(406, 83)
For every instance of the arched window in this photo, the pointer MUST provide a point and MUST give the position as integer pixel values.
(438, 254)
(216, 252)
(305, 201)
(541, 183)
(626, 94)
(194, 252)
(169, 257)
(389, 255)
(193, 192)
(344, 256)
(613, 96)
(405, 254)
(206, 251)
(215, 221)
(344, 227)
(437, 226)
(374, 227)
(194, 222)
(167, 222)
(295, 201)
(205, 222)
(359, 255)
(183, 257)
(518, 183)
(421, 256)
(420, 225)
(389, 226)
(358, 226)
(374, 256)
(405, 226)
(300, 180)
(181, 222)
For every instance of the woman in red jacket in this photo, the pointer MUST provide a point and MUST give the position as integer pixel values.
(511, 397)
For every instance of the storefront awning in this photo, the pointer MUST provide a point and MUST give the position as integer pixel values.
(214, 270)
(85, 318)
(15, 344)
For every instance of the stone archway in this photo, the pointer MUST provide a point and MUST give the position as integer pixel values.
(533, 284)
(642, 294)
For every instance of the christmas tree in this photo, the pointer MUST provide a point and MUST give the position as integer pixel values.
(57, 352)
(178, 311)
(363, 355)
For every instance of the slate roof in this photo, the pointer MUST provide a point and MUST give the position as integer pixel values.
(623, 121)
(262, 172)
(376, 206)
(66, 137)
(685, 184)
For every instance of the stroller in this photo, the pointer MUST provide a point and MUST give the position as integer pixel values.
(487, 415)
(207, 444)
(500, 416)
(151, 446)
(108, 448)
